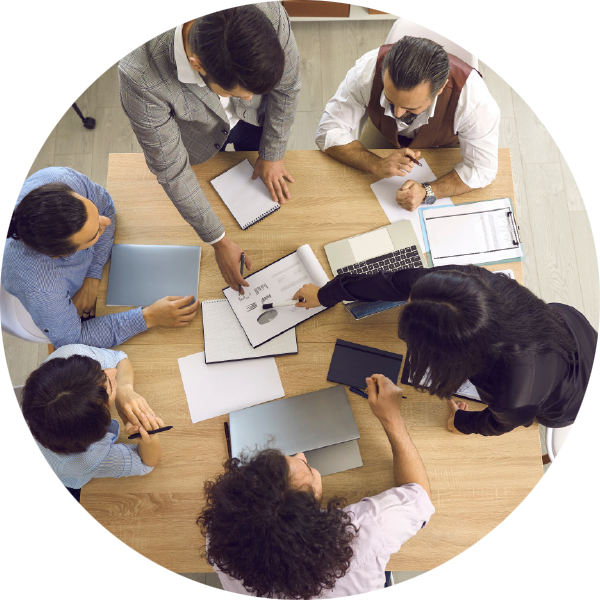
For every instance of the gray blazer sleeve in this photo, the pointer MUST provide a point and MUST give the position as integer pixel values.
(282, 102)
(166, 156)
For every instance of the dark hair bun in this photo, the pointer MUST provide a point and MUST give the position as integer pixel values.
(8, 224)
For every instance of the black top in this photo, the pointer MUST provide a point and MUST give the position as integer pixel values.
(516, 391)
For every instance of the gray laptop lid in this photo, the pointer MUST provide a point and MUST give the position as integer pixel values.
(336, 458)
(296, 424)
(141, 275)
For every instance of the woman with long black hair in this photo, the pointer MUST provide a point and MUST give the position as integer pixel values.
(528, 359)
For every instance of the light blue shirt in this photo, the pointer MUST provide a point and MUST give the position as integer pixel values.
(46, 285)
(104, 458)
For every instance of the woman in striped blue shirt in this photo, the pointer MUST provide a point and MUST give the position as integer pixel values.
(66, 403)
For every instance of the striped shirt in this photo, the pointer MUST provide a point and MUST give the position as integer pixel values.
(104, 458)
(46, 285)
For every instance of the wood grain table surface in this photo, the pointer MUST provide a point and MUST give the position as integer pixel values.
(476, 481)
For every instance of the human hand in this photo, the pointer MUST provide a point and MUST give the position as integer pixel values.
(397, 163)
(410, 195)
(148, 423)
(453, 408)
(171, 311)
(273, 174)
(385, 400)
(229, 256)
(130, 405)
(307, 296)
(85, 297)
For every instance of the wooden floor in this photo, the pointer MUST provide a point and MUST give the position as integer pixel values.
(548, 89)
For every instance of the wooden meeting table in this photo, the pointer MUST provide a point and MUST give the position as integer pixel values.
(476, 481)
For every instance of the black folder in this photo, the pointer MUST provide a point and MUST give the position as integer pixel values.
(352, 363)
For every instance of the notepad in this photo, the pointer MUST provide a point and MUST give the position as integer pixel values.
(214, 390)
(475, 233)
(352, 363)
(248, 200)
(385, 191)
(277, 282)
(225, 340)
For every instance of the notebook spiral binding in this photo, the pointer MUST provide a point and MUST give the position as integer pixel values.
(260, 217)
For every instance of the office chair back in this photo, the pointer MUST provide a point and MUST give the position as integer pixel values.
(24, 23)
(16, 321)
(457, 37)
(22, 499)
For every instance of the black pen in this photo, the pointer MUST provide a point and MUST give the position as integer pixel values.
(241, 272)
(227, 438)
(159, 430)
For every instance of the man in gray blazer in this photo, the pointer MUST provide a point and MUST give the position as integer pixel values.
(229, 77)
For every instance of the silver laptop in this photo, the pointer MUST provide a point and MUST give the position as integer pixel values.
(141, 275)
(320, 423)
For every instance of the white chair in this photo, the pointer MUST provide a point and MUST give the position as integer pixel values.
(575, 452)
(404, 27)
(17, 321)
(22, 499)
(25, 23)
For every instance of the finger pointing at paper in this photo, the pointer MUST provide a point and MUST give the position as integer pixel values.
(307, 296)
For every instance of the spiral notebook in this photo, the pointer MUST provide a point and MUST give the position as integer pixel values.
(249, 201)
(225, 340)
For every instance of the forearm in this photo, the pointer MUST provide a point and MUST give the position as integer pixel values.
(449, 185)
(109, 330)
(150, 453)
(408, 466)
(356, 155)
(124, 377)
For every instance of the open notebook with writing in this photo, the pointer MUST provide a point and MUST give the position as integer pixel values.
(225, 340)
(248, 200)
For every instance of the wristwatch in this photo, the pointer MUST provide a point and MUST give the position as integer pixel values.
(429, 195)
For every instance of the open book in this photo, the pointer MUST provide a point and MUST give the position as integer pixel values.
(276, 283)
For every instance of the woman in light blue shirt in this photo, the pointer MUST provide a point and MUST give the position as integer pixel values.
(59, 239)
(66, 403)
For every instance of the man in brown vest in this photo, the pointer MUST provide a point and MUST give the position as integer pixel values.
(416, 96)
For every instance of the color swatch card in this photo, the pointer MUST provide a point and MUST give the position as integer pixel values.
(276, 283)
(248, 200)
(225, 340)
(385, 190)
(213, 390)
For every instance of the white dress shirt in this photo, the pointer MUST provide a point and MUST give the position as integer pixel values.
(186, 74)
(477, 120)
(384, 523)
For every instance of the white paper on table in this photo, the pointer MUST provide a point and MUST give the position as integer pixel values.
(276, 283)
(218, 389)
(385, 191)
(472, 233)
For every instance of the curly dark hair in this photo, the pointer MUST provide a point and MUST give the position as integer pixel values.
(273, 538)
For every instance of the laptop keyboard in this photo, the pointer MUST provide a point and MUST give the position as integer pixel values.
(405, 258)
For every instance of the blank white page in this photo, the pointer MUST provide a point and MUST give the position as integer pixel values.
(214, 390)
(248, 201)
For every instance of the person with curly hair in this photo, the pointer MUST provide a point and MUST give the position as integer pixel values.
(268, 535)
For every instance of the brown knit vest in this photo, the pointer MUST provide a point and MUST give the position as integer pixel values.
(439, 131)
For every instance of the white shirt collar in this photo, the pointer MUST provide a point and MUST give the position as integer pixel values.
(185, 73)
(421, 120)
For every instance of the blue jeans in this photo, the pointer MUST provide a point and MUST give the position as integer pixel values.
(244, 136)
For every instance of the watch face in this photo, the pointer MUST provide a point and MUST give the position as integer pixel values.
(429, 200)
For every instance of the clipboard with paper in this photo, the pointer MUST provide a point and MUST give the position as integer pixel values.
(477, 233)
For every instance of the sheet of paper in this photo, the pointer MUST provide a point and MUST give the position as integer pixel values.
(249, 201)
(225, 340)
(385, 191)
(473, 233)
(214, 390)
(275, 283)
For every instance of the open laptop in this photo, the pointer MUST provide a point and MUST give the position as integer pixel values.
(320, 424)
(385, 249)
(141, 275)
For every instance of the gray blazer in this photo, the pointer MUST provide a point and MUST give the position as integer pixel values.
(179, 124)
